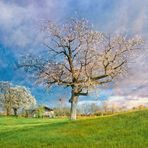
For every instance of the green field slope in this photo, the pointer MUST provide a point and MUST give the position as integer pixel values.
(128, 130)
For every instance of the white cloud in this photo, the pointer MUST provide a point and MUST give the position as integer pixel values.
(128, 101)
(20, 23)
(118, 101)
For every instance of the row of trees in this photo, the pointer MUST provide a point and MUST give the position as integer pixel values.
(15, 98)
(93, 109)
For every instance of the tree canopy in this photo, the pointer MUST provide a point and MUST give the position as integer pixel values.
(15, 97)
(81, 57)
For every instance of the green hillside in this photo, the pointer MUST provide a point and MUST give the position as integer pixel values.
(128, 130)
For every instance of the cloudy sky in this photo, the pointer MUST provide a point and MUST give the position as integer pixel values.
(20, 34)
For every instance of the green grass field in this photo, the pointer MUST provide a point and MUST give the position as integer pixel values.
(128, 130)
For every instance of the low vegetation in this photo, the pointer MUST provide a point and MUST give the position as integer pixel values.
(128, 130)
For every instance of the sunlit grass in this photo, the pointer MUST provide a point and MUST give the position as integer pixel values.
(128, 130)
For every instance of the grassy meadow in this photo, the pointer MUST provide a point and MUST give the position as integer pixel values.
(128, 130)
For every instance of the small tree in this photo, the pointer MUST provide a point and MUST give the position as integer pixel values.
(15, 98)
(21, 98)
(81, 58)
(40, 111)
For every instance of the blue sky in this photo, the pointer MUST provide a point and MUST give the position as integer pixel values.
(19, 35)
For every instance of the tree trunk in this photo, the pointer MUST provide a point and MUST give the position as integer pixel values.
(73, 110)
(73, 100)
(26, 114)
(7, 111)
(15, 111)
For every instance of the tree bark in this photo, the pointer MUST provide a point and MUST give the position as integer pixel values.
(15, 111)
(73, 111)
(73, 100)
(7, 111)
(26, 114)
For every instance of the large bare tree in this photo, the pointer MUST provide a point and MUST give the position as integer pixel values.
(81, 57)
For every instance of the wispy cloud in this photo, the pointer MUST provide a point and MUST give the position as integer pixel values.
(19, 22)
